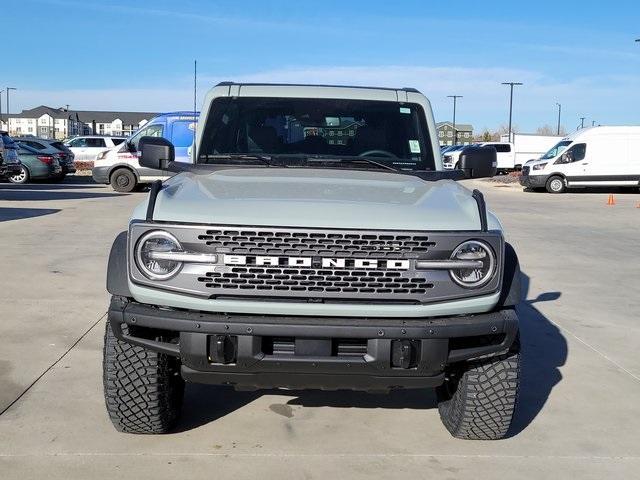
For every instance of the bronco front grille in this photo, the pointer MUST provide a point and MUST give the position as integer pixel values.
(336, 264)
(317, 243)
(314, 281)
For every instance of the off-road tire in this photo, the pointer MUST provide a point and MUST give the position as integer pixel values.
(478, 402)
(143, 390)
(552, 183)
(123, 180)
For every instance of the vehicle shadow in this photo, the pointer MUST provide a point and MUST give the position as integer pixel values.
(37, 193)
(544, 350)
(7, 214)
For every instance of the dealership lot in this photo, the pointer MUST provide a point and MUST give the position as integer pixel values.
(579, 412)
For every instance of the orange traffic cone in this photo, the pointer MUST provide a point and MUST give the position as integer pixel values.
(612, 200)
(638, 205)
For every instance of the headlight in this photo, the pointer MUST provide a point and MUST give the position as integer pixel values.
(481, 253)
(101, 156)
(539, 166)
(149, 253)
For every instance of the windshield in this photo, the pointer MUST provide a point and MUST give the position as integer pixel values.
(392, 133)
(556, 150)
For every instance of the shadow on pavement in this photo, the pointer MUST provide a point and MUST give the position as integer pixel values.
(544, 350)
(7, 214)
(37, 193)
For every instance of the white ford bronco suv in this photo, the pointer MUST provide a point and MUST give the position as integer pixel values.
(315, 242)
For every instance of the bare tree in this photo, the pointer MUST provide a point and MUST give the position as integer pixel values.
(549, 130)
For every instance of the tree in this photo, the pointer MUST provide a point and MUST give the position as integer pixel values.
(549, 130)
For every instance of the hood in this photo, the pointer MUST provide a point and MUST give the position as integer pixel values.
(324, 198)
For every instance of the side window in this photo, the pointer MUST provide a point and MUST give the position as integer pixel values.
(96, 143)
(502, 147)
(117, 141)
(576, 153)
(78, 143)
(182, 134)
(149, 131)
(579, 151)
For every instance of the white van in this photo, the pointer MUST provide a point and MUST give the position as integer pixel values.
(597, 156)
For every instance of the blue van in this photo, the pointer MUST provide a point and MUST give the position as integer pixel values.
(119, 166)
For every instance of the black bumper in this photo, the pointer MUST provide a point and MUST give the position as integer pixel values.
(533, 181)
(254, 351)
(68, 168)
(100, 174)
(9, 170)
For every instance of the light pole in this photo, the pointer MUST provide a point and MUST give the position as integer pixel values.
(593, 123)
(511, 84)
(559, 113)
(581, 123)
(8, 111)
(455, 132)
(1, 91)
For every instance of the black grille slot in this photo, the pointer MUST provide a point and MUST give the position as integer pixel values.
(316, 243)
(301, 279)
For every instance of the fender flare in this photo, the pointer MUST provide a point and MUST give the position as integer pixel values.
(511, 292)
(117, 272)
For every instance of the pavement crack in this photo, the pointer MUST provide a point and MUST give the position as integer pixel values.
(48, 369)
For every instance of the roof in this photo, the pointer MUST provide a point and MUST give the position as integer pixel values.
(459, 126)
(225, 84)
(85, 116)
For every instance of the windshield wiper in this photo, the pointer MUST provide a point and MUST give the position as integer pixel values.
(265, 159)
(340, 159)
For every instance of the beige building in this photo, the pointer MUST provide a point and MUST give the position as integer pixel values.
(59, 123)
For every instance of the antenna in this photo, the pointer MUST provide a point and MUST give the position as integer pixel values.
(195, 118)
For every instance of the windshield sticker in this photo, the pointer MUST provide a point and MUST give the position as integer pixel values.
(414, 146)
(405, 110)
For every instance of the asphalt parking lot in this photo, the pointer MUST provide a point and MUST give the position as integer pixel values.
(578, 416)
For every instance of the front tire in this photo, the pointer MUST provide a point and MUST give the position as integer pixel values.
(478, 402)
(22, 177)
(143, 390)
(556, 184)
(123, 180)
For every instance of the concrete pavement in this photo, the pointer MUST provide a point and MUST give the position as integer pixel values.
(579, 413)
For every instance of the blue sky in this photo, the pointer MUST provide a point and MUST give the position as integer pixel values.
(125, 55)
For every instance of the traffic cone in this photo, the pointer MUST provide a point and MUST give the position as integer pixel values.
(638, 205)
(612, 200)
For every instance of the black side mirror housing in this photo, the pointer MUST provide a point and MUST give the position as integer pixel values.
(479, 162)
(156, 153)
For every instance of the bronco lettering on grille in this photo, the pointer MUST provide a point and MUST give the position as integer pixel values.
(363, 263)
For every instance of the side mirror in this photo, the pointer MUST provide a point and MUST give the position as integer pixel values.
(156, 153)
(479, 162)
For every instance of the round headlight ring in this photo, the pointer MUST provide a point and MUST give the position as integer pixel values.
(161, 234)
(489, 264)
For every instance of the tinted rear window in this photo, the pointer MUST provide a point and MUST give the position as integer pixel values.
(117, 141)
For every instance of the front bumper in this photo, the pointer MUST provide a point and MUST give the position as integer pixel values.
(532, 181)
(266, 351)
(100, 174)
(9, 170)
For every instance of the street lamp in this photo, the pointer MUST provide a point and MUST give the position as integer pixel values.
(511, 84)
(582, 122)
(8, 111)
(559, 113)
(455, 132)
(1, 91)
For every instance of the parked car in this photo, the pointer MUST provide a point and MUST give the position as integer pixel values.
(597, 156)
(119, 166)
(10, 148)
(9, 161)
(87, 148)
(35, 165)
(450, 157)
(56, 148)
